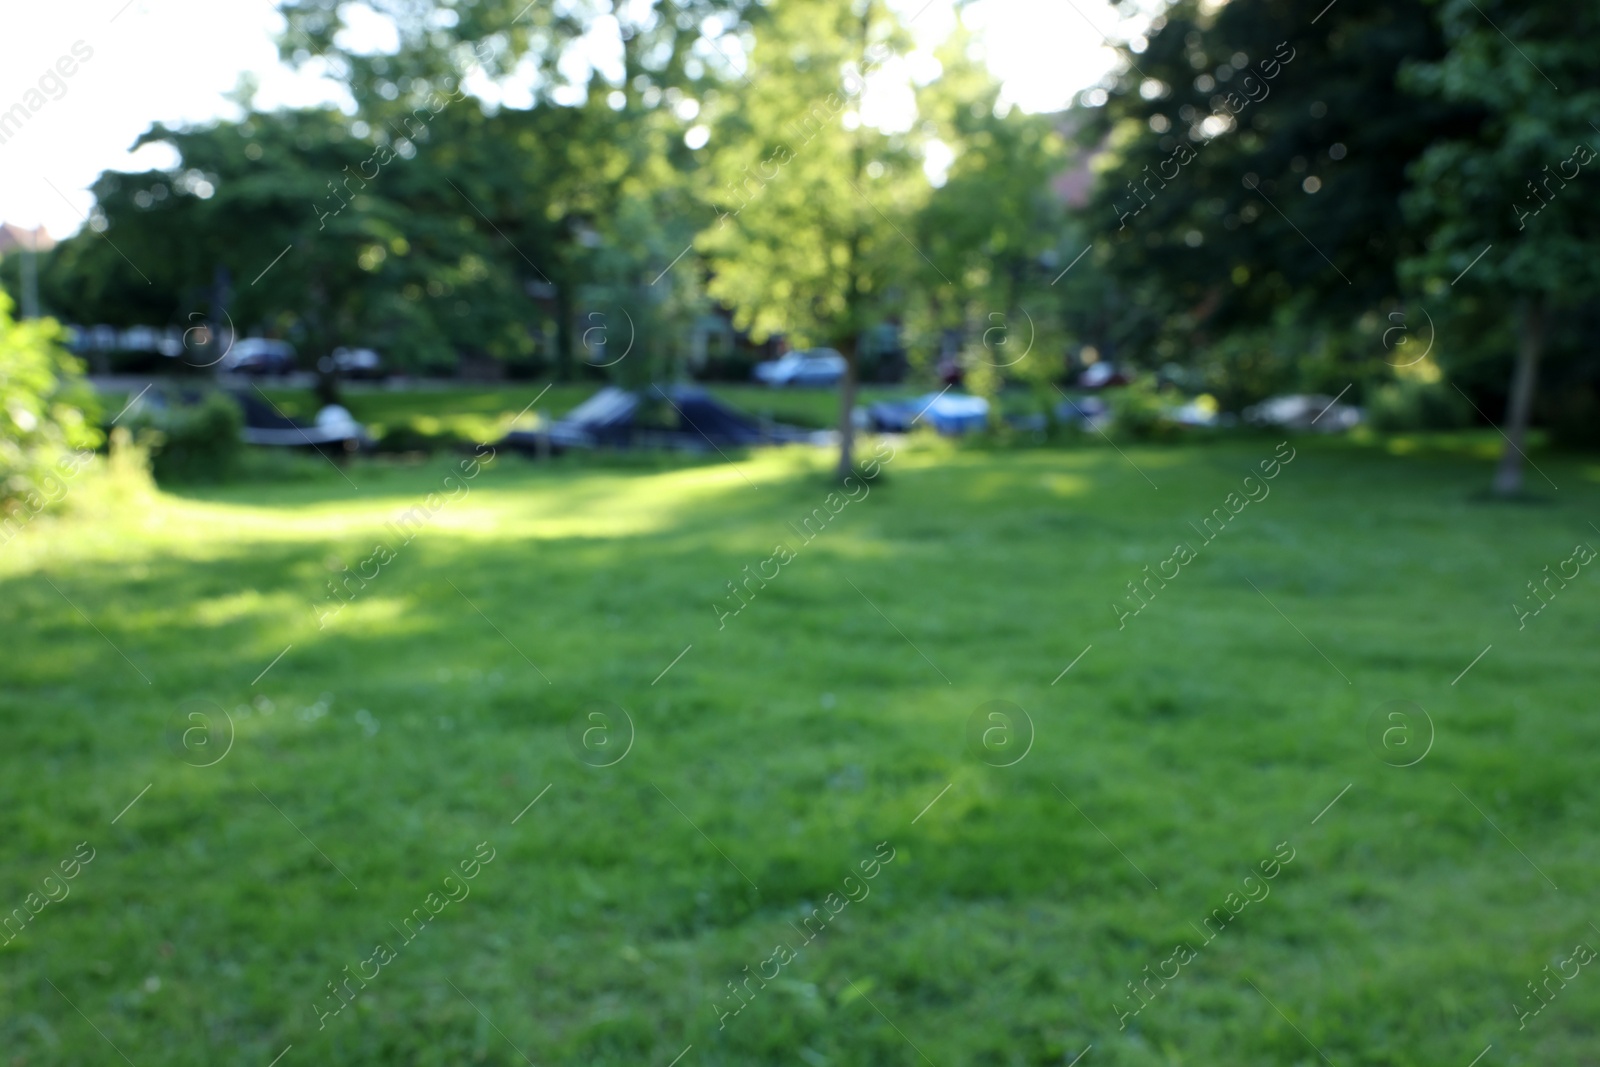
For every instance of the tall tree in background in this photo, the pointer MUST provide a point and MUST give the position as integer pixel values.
(1254, 168)
(291, 223)
(996, 220)
(547, 182)
(1518, 188)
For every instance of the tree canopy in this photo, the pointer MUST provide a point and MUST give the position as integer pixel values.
(1247, 202)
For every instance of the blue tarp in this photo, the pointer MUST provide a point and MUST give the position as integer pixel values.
(948, 413)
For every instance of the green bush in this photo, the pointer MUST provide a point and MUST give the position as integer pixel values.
(1413, 405)
(195, 442)
(1141, 412)
(43, 428)
(408, 438)
(1573, 414)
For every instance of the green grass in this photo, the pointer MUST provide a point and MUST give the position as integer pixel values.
(781, 750)
(469, 413)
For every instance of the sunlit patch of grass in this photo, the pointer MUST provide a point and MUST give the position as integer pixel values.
(217, 611)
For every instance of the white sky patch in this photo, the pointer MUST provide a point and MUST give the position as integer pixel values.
(936, 159)
(515, 90)
(923, 67)
(887, 103)
(156, 156)
(174, 60)
(367, 32)
(160, 60)
(1047, 53)
(599, 49)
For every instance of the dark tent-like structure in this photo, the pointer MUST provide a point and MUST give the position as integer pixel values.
(688, 418)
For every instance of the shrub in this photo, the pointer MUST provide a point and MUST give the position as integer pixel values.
(1418, 405)
(406, 437)
(42, 402)
(200, 442)
(1141, 412)
(1573, 413)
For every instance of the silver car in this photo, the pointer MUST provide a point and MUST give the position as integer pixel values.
(815, 366)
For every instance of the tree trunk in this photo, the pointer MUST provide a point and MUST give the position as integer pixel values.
(320, 337)
(564, 313)
(849, 344)
(327, 388)
(847, 408)
(30, 279)
(1524, 378)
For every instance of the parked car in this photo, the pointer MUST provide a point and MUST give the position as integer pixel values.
(1103, 376)
(259, 355)
(1302, 411)
(1201, 411)
(816, 366)
(358, 362)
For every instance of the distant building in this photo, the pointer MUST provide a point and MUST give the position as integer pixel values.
(13, 238)
(1074, 185)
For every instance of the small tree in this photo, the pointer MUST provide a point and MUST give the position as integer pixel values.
(1509, 204)
(805, 242)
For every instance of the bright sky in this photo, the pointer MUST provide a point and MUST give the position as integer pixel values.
(173, 61)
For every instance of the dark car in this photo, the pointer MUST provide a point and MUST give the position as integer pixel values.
(259, 355)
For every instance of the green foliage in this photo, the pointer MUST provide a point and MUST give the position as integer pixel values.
(193, 443)
(995, 229)
(804, 243)
(1507, 202)
(1528, 71)
(1141, 410)
(1245, 367)
(1409, 404)
(43, 401)
(431, 225)
(409, 438)
(1254, 160)
(1574, 418)
(1268, 185)
(582, 198)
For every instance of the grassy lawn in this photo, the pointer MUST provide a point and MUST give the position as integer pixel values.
(826, 726)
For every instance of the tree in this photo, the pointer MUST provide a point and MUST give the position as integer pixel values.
(299, 223)
(545, 183)
(1251, 182)
(995, 224)
(804, 242)
(1495, 199)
